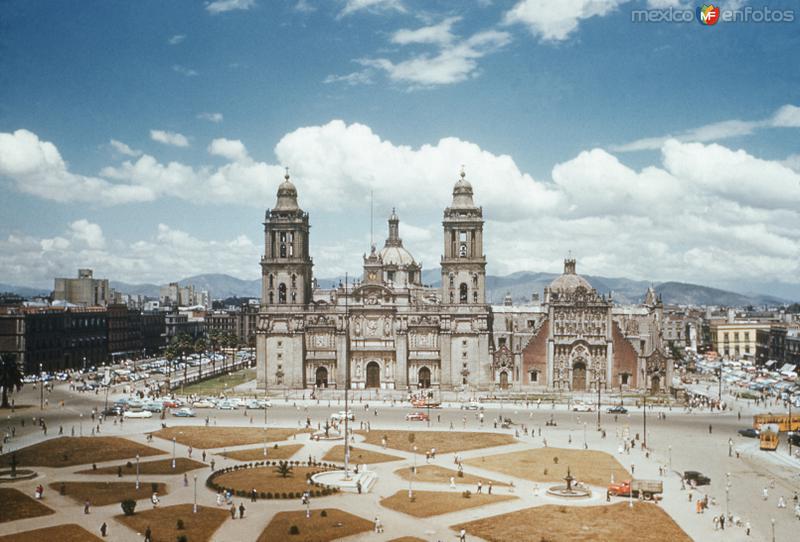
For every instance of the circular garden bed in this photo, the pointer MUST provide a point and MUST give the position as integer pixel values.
(272, 479)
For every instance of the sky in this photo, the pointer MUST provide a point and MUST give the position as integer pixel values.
(146, 139)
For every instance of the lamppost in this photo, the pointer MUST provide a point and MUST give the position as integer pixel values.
(644, 418)
(137, 472)
(670, 456)
(585, 446)
(84, 364)
(80, 421)
(308, 506)
(173, 452)
(194, 508)
(772, 521)
(41, 392)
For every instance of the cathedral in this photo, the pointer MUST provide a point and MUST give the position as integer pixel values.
(399, 334)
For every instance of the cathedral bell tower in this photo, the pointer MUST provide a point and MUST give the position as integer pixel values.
(463, 262)
(286, 264)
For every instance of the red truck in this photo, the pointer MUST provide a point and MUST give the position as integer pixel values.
(648, 488)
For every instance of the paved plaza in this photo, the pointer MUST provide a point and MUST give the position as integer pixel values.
(677, 440)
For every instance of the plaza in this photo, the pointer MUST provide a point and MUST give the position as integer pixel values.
(517, 464)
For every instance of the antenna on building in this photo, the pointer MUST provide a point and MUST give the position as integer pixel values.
(371, 208)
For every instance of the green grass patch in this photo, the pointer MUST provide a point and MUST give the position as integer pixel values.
(222, 384)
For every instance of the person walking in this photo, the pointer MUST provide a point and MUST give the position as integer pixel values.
(253, 495)
(148, 535)
(233, 511)
(452, 483)
(765, 493)
(241, 510)
(462, 536)
(86, 506)
(480, 487)
(781, 502)
(204, 456)
(490, 487)
(103, 530)
(747, 528)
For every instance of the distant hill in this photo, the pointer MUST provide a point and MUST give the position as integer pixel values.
(521, 285)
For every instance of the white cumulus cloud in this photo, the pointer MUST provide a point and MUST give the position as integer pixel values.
(555, 20)
(216, 118)
(221, 6)
(169, 138)
(123, 148)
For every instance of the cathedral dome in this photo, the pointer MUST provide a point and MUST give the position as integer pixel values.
(287, 196)
(462, 194)
(396, 255)
(569, 281)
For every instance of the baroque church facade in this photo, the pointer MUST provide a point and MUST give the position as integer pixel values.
(400, 334)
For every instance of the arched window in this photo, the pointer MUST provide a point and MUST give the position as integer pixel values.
(271, 298)
(294, 280)
(474, 280)
(463, 297)
(271, 280)
(282, 293)
(294, 297)
(452, 298)
(452, 280)
(283, 245)
(474, 296)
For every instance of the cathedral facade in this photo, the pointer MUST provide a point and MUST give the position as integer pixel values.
(400, 334)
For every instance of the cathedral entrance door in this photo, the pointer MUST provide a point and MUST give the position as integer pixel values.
(579, 376)
(373, 375)
(504, 380)
(654, 384)
(322, 377)
(424, 377)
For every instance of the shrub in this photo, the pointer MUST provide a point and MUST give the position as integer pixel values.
(128, 506)
(269, 494)
(129, 465)
(154, 486)
(555, 460)
(275, 447)
(461, 474)
(182, 538)
(283, 495)
(545, 472)
(324, 513)
(179, 525)
(294, 530)
(466, 494)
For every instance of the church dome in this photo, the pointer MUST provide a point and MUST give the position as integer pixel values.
(287, 196)
(569, 281)
(396, 255)
(462, 194)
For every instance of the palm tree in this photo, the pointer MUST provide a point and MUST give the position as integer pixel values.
(10, 376)
(284, 469)
(200, 346)
(171, 354)
(214, 340)
(184, 344)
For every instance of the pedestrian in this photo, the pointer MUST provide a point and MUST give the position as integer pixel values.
(722, 521)
(765, 493)
(747, 528)
(709, 429)
(148, 535)
(253, 495)
(781, 502)
(241, 510)
(212, 463)
(233, 511)
(633, 468)
(86, 506)
(490, 487)
(358, 486)
(690, 495)
(452, 483)
(204, 456)
(154, 499)
(185, 480)
(462, 536)
(480, 487)
(715, 519)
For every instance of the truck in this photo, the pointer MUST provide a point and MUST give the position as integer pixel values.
(648, 488)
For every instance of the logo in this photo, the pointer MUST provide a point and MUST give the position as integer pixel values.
(708, 15)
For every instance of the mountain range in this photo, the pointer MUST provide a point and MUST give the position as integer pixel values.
(520, 286)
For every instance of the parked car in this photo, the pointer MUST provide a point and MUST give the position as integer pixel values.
(153, 407)
(618, 409)
(184, 412)
(115, 410)
(697, 477)
(582, 407)
(417, 416)
(137, 414)
(749, 432)
(203, 403)
(471, 406)
(227, 405)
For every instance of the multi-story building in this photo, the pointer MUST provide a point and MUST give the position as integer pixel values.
(395, 333)
(736, 339)
(175, 295)
(124, 331)
(154, 333)
(84, 290)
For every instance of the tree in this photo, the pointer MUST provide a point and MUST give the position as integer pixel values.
(200, 346)
(214, 340)
(284, 469)
(10, 376)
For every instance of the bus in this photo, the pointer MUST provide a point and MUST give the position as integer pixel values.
(781, 420)
(768, 437)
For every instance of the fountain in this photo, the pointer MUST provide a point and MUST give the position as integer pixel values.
(567, 491)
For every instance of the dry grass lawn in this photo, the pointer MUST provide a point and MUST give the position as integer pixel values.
(441, 475)
(199, 527)
(162, 466)
(103, 493)
(645, 523)
(443, 441)
(199, 436)
(589, 466)
(359, 456)
(337, 524)
(433, 503)
(15, 504)
(257, 454)
(69, 451)
(63, 533)
(265, 479)
(407, 539)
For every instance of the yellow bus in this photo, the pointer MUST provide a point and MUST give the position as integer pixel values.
(781, 420)
(768, 437)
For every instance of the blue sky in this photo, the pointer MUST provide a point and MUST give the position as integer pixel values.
(145, 139)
